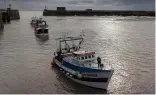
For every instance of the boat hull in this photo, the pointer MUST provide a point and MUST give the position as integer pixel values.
(40, 32)
(99, 85)
(96, 84)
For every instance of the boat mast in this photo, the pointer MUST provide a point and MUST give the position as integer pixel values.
(60, 47)
(81, 35)
(67, 47)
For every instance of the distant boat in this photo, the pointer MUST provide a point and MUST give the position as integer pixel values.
(60, 18)
(81, 66)
(41, 27)
(33, 21)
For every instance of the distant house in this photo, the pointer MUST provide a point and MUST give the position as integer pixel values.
(61, 9)
(89, 10)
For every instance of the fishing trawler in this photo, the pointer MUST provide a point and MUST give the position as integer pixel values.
(41, 27)
(79, 65)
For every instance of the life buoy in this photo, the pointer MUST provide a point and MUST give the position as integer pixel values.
(52, 63)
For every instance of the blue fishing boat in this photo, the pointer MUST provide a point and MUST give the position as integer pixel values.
(81, 66)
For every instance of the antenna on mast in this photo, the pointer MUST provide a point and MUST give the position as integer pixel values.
(45, 7)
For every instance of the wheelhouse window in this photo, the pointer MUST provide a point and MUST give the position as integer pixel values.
(78, 58)
(89, 56)
(86, 57)
(82, 58)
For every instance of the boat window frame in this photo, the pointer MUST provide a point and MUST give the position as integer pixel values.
(82, 58)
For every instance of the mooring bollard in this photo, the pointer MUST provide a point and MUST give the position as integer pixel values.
(8, 14)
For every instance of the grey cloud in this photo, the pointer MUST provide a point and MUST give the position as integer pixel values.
(82, 4)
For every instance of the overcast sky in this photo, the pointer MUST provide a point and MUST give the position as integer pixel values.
(81, 4)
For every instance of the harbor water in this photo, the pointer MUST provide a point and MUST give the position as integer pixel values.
(125, 43)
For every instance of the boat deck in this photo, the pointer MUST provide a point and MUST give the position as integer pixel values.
(92, 65)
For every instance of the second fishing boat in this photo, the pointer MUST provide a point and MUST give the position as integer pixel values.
(41, 28)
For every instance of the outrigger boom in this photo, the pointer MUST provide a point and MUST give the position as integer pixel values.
(65, 39)
(69, 39)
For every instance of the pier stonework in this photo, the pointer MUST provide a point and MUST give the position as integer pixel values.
(7, 15)
(13, 14)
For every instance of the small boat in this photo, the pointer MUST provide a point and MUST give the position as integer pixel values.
(79, 65)
(41, 28)
(33, 21)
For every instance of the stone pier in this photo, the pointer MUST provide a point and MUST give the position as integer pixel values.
(7, 15)
(1, 21)
(14, 15)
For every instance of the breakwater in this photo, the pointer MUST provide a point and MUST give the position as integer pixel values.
(61, 11)
(14, 15)
(7, 15)
(1, 22)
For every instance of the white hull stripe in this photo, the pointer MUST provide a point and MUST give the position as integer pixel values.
(96, 83)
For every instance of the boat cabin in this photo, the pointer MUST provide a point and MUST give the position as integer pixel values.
(83, 59)
(42, 24)
(34, 20)
(84, 55)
